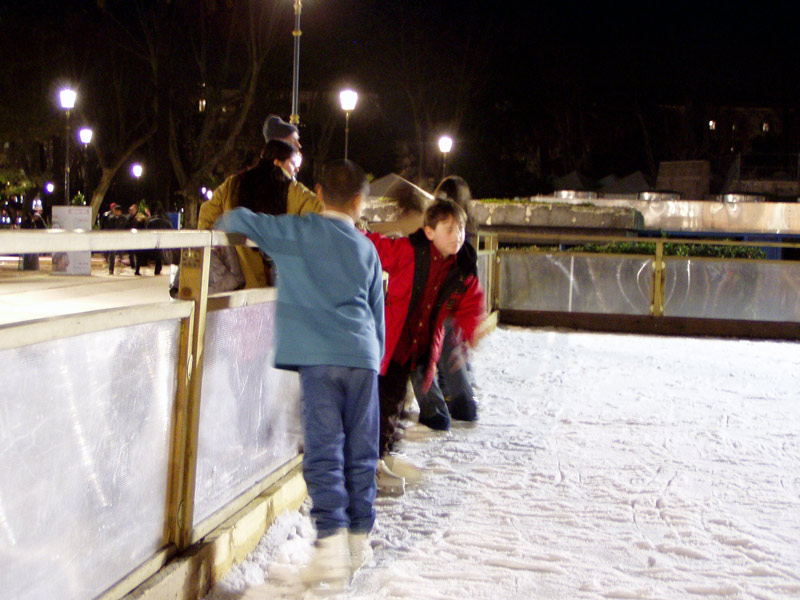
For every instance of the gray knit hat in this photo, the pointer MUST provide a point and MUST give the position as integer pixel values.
(276, 128)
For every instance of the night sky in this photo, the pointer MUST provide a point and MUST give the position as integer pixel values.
(568, 81)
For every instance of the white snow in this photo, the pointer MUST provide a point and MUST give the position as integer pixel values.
(603, 466)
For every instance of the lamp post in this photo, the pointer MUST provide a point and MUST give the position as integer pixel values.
(295, 117)
(67, 97)
(348, 99)
(445, 145)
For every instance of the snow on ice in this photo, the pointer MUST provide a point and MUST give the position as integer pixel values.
(603, 466)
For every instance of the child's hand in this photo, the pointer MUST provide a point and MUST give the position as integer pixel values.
(483, 329)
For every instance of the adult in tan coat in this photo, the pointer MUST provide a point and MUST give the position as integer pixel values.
(268, 187)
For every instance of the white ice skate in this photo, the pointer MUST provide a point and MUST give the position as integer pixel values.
(389, 483)
(329, 570)
(402, 468)
(360, 550)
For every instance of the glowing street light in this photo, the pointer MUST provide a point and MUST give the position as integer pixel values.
(85, 136)
(348, 100)
(445, 145)
(136, 171)
(67, 96)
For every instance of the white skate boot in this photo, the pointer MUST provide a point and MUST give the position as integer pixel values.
(329, 570)
(389, 483)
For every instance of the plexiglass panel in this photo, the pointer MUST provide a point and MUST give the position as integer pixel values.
(249, 412)
(575, 283)
(483, 271)
(720, 289)
(84, 450)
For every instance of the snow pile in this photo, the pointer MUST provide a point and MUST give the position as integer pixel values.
(603, 466)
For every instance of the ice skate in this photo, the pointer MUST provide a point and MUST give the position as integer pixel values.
(360, 550)
(329, 570)
(402, 468)
(389, 483)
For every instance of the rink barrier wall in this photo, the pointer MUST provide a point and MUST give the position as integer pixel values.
(141, 514)
(193, 550)
(647, 293)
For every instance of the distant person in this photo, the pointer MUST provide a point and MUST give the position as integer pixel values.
(264, 188)
(31, 220)
(137, 220)
(158, 220)
(330, 328)
(432, 278)
(115, 220)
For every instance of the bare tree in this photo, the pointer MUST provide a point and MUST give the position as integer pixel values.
(439, 72)
(228, 46)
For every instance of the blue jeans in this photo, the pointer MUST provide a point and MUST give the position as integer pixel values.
(340, 430)
(452, 381)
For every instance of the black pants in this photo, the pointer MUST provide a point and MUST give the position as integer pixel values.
(392, 392)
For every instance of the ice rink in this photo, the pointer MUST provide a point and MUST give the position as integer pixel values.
(603, 466)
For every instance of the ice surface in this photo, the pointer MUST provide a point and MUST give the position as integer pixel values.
(603, 466)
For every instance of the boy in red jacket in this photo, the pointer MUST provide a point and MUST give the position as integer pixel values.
(433, 278)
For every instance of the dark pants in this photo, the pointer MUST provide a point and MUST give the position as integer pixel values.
(340, 441)
(138, 259)
(392, 390)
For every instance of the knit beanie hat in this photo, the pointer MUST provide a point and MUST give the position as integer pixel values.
(276, 128)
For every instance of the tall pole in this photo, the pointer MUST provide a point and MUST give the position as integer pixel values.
(66, 165)
(346, 131)
(444, 164)
(295, 116)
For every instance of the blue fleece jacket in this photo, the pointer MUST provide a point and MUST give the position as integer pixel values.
(330, 289)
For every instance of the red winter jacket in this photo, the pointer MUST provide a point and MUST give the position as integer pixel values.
(406, 260)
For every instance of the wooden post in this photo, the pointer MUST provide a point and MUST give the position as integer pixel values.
(659, 278)
(194, 273)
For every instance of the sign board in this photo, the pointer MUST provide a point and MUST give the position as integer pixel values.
(72, 218)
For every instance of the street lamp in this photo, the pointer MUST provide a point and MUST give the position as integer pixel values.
(136, 171)
(67, 97)
(295, 117)
(348, 99)
(445, 145)
(85, 135)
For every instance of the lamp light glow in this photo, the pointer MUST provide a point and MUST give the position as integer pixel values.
(85, 135)
(348, 99)
(445, 144)
(67, 97)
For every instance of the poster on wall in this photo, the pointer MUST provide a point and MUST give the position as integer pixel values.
(71, 218)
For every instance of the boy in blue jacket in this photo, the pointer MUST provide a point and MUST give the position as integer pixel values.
(330, 328)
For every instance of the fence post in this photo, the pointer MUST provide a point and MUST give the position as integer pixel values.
(657, 287)
(194, 274)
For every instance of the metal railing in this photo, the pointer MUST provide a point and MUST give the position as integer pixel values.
(556, 277)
